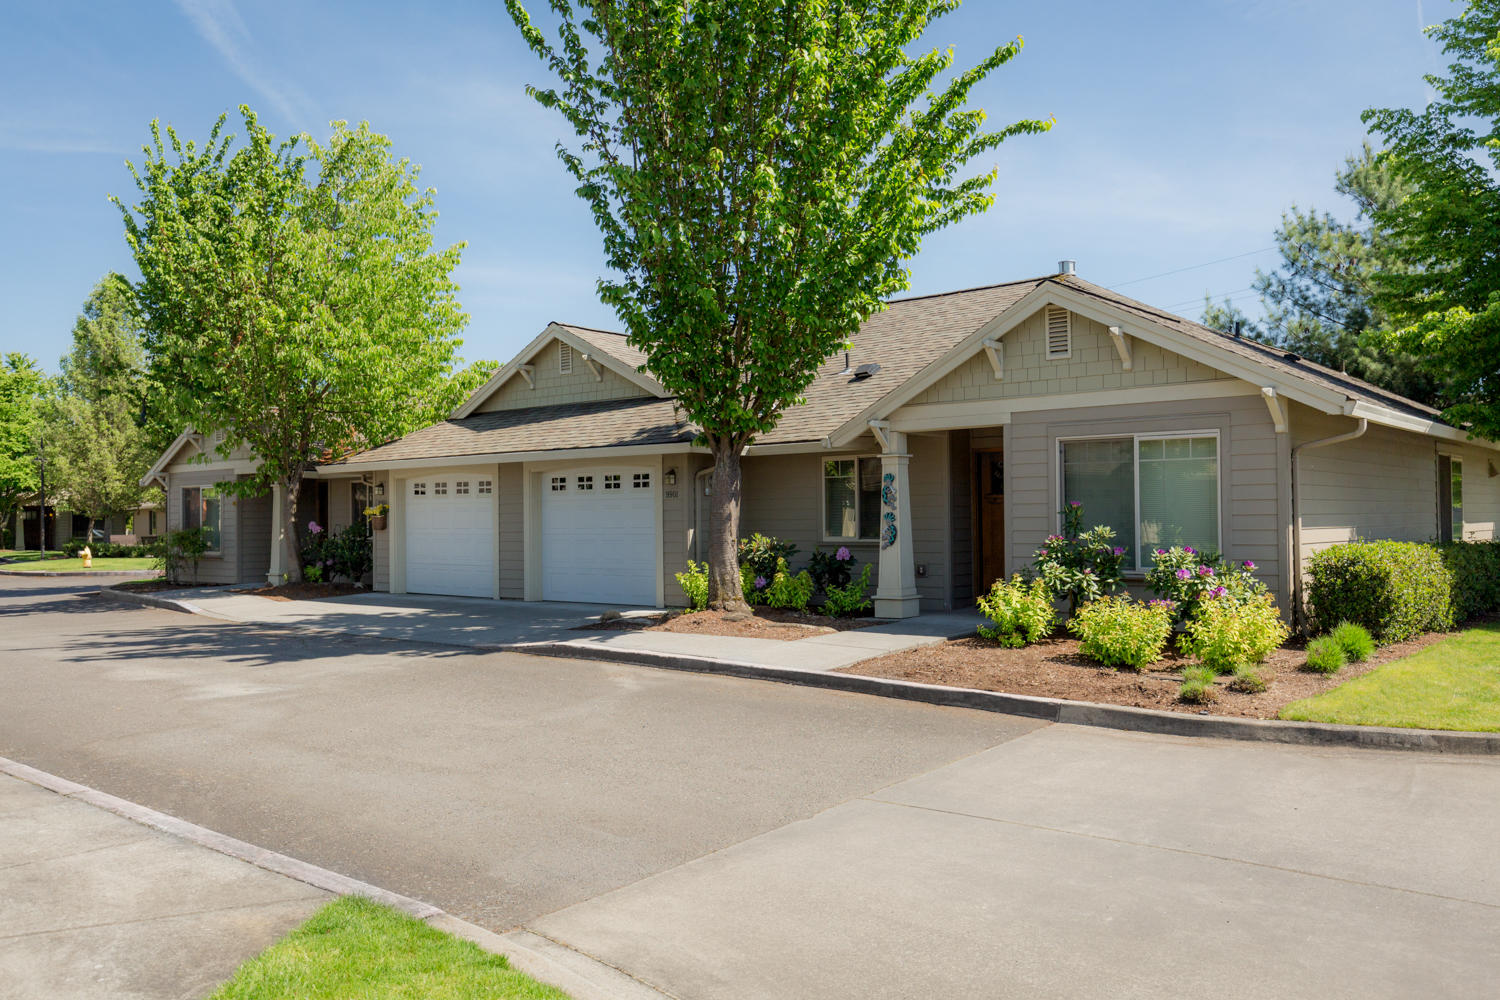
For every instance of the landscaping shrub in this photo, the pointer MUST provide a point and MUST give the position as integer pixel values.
(760, 554)
(176, 551)
(694, 584)
(1475, 570)
(788, 591)
(1325, 655)
(831, 569)
(1247, 680)
(849, 599)
(1354, 641)
(1197, 685)
(1020, 612)
(1396, 590)
(1224, 635)
(1119, 632)
(1080, 565)
(1188, 577)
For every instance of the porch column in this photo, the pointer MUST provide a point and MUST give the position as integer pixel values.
(896, 597)
(278, 535)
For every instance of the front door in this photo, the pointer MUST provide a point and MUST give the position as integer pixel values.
(990, 494)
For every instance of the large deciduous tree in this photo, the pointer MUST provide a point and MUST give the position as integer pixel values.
(759, 172)
(293, 300)
(21, 391)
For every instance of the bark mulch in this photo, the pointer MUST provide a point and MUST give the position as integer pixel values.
(763, 623)
(304, 591)
(150, 586)
(1056, 669)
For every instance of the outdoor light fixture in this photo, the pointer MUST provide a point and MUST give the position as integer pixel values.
(380, 489)
(671, 477)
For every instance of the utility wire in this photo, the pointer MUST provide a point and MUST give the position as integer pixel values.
(1190, 267)
(1215, 298)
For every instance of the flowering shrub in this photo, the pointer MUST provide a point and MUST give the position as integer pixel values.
(760, 554)
(1188, 577)
(694, 584)
(1080, 565)
(788, 591)
(1022, 613)
(850, 598)
(347, 554)
(1119, 632)
(831, 569)
(1224, 635)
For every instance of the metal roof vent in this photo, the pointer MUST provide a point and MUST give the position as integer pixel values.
(863, 372)
(1067, 267)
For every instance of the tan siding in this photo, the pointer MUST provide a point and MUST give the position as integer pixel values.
(782, 497)
(1249, 475)
(254, 515)
(1093, 367)
(930, 524)
(1481, 491)
(340, 509)
(677, 521)
(961, 506)
(222, 568)
(552, 387)
(511, 495)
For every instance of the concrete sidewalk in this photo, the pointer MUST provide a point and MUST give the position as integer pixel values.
(94, 905)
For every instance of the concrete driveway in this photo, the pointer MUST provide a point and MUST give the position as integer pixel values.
(724, 838)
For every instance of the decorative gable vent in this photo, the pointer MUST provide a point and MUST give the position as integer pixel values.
(565, 359)
(1059, 333)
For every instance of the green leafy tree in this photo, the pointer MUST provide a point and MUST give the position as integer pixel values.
(22, 386)
(1448, 227)
(759, 172)
(293, 300)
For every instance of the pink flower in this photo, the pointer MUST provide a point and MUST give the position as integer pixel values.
(842, 555)
(1189, 550)
(1249, 564)
(314, 527)
(1088, 572)
(1217, 592)
(1205, 571)
(1183, 574)
(1119, 551)
(1161, 552)
(1044, 551)
(1075, 503)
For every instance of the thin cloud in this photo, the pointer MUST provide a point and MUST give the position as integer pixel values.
(221, 26)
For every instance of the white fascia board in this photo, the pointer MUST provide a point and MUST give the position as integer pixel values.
(1378, 414)
(993, 413)
(493, 458)
(555, 331)
(786, 448)
(167, 457)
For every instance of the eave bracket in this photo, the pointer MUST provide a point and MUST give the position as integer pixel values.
(528, 372)
(1277, 406)
(1122, 346)
(995, 351)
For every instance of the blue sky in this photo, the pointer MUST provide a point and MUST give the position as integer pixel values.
(1183, 131)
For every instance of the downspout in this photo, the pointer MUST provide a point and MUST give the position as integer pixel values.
(1299, 615)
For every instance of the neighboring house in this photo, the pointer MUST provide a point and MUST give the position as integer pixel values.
(941, 450)
(141, 526)
(242, 531)
(63, 524)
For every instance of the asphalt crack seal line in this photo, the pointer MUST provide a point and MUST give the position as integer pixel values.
(582, 977)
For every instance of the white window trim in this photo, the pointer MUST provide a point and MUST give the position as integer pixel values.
(828, 539)
(217, 553)
(1138, 571)
(1453, 457)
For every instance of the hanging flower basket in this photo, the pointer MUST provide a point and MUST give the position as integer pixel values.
(377, 522)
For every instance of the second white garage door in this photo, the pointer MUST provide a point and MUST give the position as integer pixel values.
(451, 522)
(599, 536)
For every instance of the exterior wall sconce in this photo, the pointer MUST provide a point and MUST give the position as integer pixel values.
(671, 477)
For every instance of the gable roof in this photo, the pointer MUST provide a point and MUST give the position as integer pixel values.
(159, 469)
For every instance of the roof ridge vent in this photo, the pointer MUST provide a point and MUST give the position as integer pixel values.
(1067, 267)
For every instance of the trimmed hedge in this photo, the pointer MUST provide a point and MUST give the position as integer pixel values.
(1475, 569)
(1396, 590)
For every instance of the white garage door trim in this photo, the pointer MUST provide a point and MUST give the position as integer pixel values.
(600, 534)
(450, 530)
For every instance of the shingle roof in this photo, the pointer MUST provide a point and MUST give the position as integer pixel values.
(598, 424)
(609, 342)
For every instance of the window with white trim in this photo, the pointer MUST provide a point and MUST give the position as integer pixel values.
(461, 488)
(486, 486)
(439, 489)
(1450, 498)
(612, 481)
(559, 484)
(1155, 490)
(1059, 333)
(419, 489)
(564, 359)
(851, 499)
(202, 508)
(641, 481)
(585, 483)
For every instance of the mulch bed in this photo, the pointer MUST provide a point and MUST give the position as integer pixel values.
(304, 591)
(1056, 669)
(763, 623)
(148, 586)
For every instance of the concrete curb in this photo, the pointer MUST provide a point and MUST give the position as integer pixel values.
(579, 975)
(82, 572)
(153, 601)
(1077, 713)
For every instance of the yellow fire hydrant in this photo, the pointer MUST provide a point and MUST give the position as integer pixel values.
(88, 558)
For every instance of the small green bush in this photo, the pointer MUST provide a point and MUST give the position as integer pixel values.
(1354, 640)
(1197, 685)
(1224, 635)
(760, 554)
(1325, 655)
(849, 599)
(1475, 569)
(1119, 632)
(1020, 612)
(1247, 680)
(694, 584)
(788, 591)
(1396, 590)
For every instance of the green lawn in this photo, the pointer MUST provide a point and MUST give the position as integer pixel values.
(355, 948)
(31, 562)
(1454, 684)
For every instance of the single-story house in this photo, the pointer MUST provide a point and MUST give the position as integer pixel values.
(940, 449)
(243, 532)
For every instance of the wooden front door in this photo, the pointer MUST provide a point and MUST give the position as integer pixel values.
(990, 493)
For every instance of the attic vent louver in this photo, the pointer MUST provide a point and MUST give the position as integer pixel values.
(1059, 333)
(565, 359)
(863, 372)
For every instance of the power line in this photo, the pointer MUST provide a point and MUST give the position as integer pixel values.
(1190, 267)
(1214, 298)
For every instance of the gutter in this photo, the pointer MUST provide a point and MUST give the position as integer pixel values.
(1299, 614)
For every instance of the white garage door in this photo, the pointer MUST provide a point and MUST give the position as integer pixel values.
(599, 536)
(450, 535)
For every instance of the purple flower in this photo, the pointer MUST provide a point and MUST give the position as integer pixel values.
(1249, 564)
(1183, 574)
(1043, 551)
(1205, 571)
(760, 583)
(1161, 552)
(1217, 592)
(1189, 550)
(1075, 503)
(842, 555)
(1119, 551)
(314, 527)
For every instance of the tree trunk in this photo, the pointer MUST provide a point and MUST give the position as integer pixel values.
(293, 542)
(725, 592)
(88, 539)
